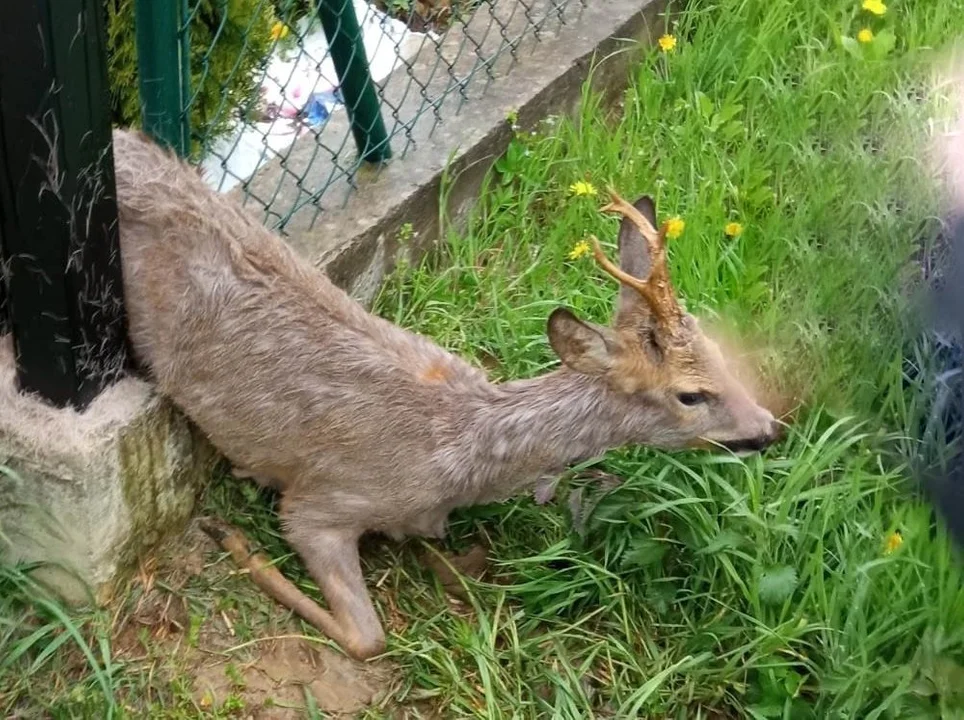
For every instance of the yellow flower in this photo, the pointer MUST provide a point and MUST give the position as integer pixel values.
(865, 36)
(675, 227)
(579, 249)
(279, 31)
(581, 187)
(733, 229)
(874, 6)
(667, 43)
(893, 541)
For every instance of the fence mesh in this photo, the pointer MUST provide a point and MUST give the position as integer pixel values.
(271, 120)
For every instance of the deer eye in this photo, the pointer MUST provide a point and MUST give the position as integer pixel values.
(692, 398)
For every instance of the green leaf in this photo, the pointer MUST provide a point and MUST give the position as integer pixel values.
(800, 709)
(766, 710)
(776, 584)
(661, 595)
(645, 551)
(726, 540)
(732, 130)
(851, 46)
(792, 683)
(705, 105)
(730, 111)
(883, 43)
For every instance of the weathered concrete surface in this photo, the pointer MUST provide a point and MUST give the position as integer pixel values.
(355, 236)
(90, 491)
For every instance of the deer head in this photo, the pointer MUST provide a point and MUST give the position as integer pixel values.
(670, 382)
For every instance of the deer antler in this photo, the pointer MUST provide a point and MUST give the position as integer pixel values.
(656, 289)
(656, 239)
(640, 286)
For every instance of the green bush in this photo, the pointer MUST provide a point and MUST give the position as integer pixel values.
(291, 11)
(224, 77)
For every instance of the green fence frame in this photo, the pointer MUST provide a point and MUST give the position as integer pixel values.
(163, 58)
(163, 64)
(340, 24)
(59, 237)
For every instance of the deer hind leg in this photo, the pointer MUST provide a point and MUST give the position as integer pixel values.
(331, 557)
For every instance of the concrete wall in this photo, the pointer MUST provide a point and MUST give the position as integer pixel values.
(92, 490)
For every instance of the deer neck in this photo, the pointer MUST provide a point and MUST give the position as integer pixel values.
(536, 427)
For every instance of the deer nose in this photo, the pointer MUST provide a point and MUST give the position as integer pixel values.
(773, 434)
(749, 445)
(777, 431)
(757, 443)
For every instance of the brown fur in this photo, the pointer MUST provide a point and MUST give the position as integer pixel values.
(434, 373)
(362, 425)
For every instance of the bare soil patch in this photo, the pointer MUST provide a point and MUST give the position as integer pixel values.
(272, 669)
(192, 622)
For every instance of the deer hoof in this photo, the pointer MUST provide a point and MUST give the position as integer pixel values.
(365, 648)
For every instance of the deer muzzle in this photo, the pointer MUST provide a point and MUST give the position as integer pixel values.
(756, 443)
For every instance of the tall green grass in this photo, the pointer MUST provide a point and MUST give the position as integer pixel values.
(47, 651)
(707, 586)
(42, 644)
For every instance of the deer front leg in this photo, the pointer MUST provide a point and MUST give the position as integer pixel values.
(331, 557)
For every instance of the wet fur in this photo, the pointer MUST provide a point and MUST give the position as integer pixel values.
(360, 424)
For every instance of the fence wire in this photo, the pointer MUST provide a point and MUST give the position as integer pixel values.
(271, 118)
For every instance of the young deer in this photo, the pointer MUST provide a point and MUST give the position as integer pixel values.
(364, 426)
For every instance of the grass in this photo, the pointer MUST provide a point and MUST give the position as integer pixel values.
(703, 586)
(38, 634)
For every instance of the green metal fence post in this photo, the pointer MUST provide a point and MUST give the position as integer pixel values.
(59, 242)
(163, 68)
(357, 87)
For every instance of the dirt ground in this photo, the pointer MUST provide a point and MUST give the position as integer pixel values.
(192, 622)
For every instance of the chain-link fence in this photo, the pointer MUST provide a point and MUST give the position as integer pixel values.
(282, 101)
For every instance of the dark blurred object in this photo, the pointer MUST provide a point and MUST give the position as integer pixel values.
(943, 466)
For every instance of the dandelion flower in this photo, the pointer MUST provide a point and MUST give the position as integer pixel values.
(675, 227)
(579, 249)
(733, 229)
(865, 36)
(279, 31)
(874, 6)
(667, 43)
(893, 541)
(581, 187)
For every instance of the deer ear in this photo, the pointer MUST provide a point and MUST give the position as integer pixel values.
(581, 346)
(633, 249)
(634, 257)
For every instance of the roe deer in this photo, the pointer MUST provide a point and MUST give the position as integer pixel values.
(364, 426)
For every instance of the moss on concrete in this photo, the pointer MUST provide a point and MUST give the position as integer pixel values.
(163, 462)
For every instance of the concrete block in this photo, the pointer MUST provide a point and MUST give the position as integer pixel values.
(91, 491)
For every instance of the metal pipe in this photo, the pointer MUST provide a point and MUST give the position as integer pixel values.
(357, 87)
(163, 72)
